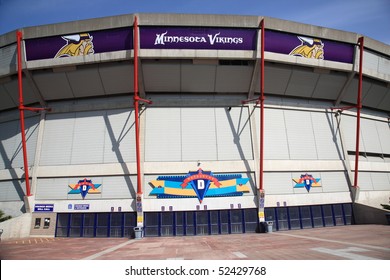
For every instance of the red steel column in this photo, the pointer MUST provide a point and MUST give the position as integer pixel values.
(21, 111)
(136, 108)
(261, 186)
(359, 107)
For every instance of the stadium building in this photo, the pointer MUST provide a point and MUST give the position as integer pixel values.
(178, 124)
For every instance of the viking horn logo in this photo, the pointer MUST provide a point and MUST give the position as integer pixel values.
(309, 48)
(76, 44)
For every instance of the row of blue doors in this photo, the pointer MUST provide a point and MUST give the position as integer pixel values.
(208, 222)
(201, 222)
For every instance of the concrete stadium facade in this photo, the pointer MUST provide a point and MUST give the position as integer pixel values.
(196, 169)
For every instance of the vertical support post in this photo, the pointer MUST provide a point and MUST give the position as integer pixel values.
(21, 112)
(140, 215)
(136, 107)
(358, 107)
(261, 194)
(261, 185)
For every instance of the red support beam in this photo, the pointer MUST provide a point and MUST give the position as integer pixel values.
(358, 107)
(21, 107)
(261, 100)
(21, 112)
(137, 99)
(343, 108)
(136, 107)
(250, 100)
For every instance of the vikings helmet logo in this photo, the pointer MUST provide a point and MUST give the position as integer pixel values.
(309, 48)
(77, 44)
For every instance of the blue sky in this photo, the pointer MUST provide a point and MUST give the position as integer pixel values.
(370, 18)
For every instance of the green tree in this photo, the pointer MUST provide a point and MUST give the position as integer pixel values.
(386, 206)
(3, 217)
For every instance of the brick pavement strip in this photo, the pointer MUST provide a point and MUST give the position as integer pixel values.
(343, 242)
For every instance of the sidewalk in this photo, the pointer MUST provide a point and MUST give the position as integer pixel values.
(356, 242)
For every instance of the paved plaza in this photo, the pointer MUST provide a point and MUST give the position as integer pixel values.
(356, 242)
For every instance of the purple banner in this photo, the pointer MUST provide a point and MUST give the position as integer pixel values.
(308, 47)
(78, 44)
(197, 38)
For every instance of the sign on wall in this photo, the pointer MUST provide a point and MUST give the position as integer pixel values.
(307, 181)
(43, 207)
(199, 184)
(308, 47)
(79, 44)
(84, 187)
(82, 207)
(197, 38)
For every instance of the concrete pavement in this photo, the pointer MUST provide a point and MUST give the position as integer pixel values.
(355, 242)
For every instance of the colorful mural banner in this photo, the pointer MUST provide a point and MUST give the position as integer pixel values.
(307, 181)
(308, 47)
(199, 184)
(198, 38)
(84, 187)
(77, 44)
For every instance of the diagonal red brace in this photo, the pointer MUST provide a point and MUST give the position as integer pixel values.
(137, 98)
(34, 109)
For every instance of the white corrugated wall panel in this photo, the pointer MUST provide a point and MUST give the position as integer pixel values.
(371, 61)
(383, 129)
(327, 139)
(7, 59)
(9, 131)
(384, 65)
(348, 125)
(163, 134)
(9, 190)
(370, 136)
(300, 135)
(119, 187)
(381, 181)
(364, 181)
(198, 134)
(88, 137)
(233, 134)
(11, 142)
(275, 136)
(57, 139)
(119, 138)
(53, 188)
(334, 182)
(278, 183)
(32, 128)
